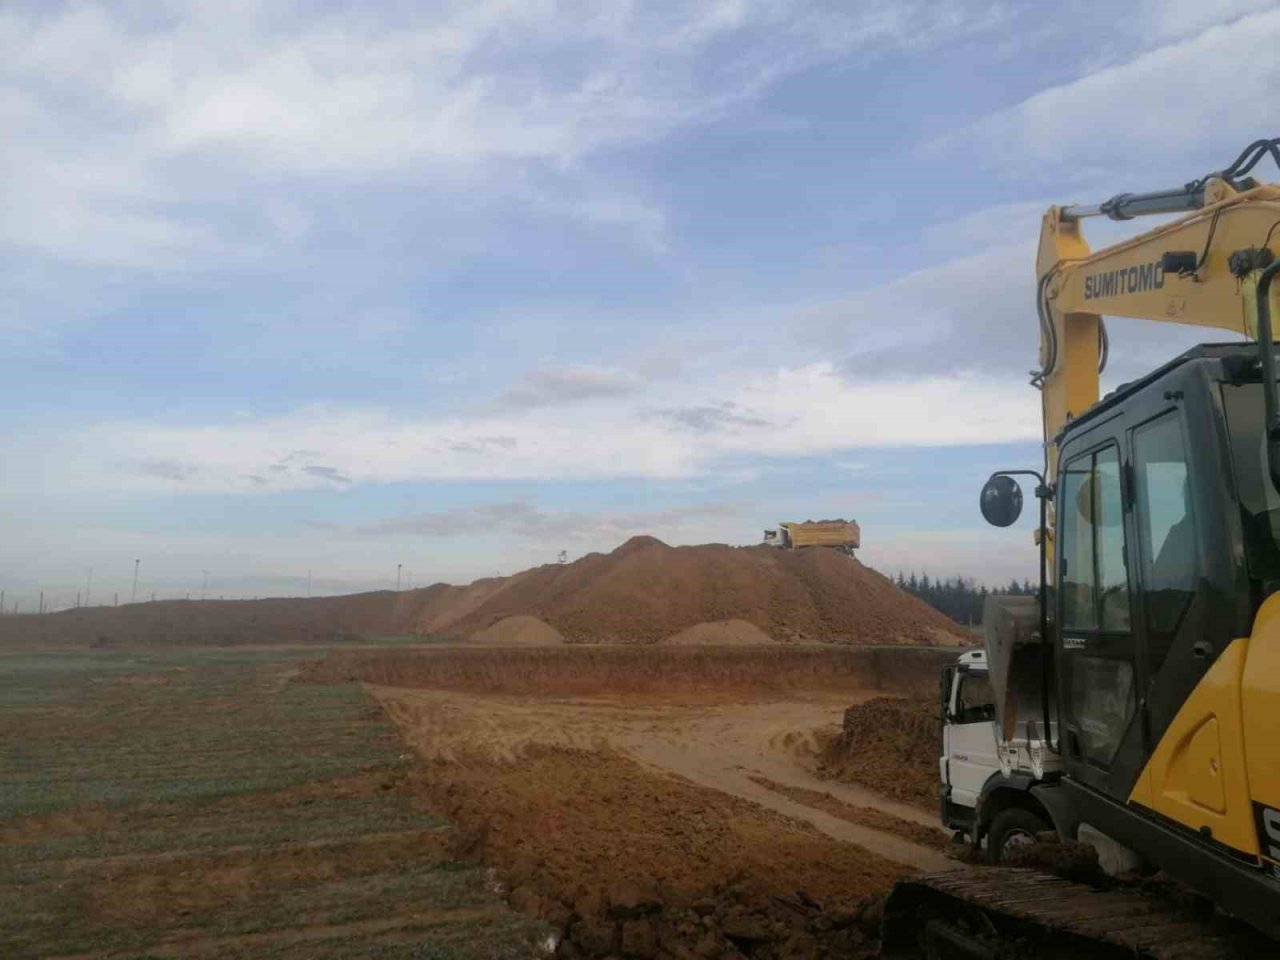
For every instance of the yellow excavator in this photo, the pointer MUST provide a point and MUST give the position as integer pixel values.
(1153, 714)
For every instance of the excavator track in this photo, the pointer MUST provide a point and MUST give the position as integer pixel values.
(999, 913)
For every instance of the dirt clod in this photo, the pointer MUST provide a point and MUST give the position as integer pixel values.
(889, 744)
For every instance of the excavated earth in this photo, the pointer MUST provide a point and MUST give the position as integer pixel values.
(662, 801)
(889, 744)
(643, 592)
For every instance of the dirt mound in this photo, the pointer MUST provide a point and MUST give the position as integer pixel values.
(891, 745)
(642, 592)
(703, 873)
(734, 632)
(518, 631)
(645, 591)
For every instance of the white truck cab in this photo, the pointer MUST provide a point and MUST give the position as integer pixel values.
(993, 754)
(969, 747)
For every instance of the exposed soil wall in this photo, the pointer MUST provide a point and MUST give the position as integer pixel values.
(663, 670)
(891, 745)
(731, 632)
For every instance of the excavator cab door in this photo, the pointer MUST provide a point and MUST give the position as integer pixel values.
(1147, 573)
(1098, 663)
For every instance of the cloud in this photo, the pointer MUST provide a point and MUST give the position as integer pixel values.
(710, 418)
(1173, 19)
(974, 314)
(523, 519)
(1144, 118)
(133, 132)
(326, 473)
(796, 411)
(570, 384)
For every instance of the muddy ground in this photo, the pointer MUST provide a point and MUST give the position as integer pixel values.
(663, 802)
(448, 802)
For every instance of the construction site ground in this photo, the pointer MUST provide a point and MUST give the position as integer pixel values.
(447, 802)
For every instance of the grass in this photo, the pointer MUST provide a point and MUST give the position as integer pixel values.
(198, 801)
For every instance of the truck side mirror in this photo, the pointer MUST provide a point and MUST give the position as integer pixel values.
(1001, 500)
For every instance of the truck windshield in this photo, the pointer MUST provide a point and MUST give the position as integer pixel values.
(1259, 501)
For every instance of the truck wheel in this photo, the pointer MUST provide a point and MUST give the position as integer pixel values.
(1012, 828)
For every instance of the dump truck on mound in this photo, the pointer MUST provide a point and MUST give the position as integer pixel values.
(842, 535)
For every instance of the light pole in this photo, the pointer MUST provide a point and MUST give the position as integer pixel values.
(398, 566)
(205, 585)
(133, 597)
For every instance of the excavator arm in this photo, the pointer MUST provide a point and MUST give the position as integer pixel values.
(1201, 269)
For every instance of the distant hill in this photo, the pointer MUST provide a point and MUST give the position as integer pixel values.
(642, 592)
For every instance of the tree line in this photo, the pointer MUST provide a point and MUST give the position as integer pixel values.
(960, 598)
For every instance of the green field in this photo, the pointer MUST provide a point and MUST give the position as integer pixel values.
(200, 803)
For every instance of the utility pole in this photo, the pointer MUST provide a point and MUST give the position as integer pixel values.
(133, 597)
(42, 601)
(205, 585)
(308, 583)
(398, 566)
(116, 601)
(77, 599)
(88, 587)
(153, 596)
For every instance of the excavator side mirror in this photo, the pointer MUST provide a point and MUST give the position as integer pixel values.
(1001, 501)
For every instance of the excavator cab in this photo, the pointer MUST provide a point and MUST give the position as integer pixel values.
(1162, 613)
(1164, 555)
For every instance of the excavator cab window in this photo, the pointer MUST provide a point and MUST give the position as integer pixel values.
(1259, 501)
(1167, 539)
(1095, 604)
(1094, 581)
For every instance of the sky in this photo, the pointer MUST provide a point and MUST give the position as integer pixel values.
(324, 291)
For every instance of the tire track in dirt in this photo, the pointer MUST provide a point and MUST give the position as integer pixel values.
(720, 746)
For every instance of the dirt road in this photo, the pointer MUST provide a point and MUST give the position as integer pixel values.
(730, 748)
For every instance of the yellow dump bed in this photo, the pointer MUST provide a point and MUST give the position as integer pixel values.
(824, 533)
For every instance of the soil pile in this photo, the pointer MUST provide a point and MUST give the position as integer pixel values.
(625, 862)
(642, 592)
(646, 591)
(891, 745)
(731, 632)
(518, 631)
